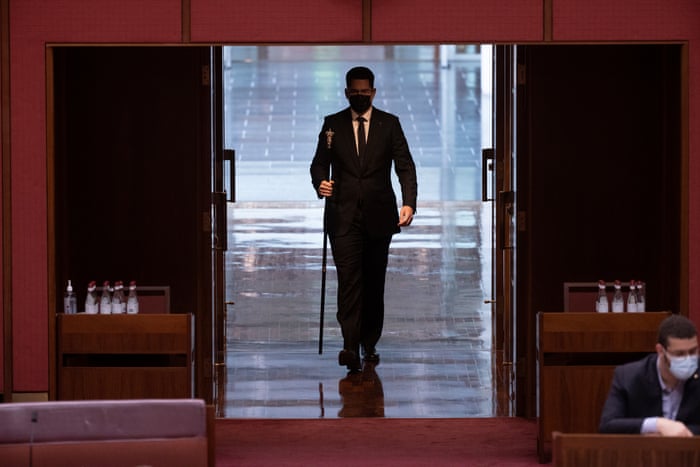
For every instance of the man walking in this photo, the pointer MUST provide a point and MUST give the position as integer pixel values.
(358, 146)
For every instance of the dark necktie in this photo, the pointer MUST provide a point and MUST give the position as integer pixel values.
(361, 139)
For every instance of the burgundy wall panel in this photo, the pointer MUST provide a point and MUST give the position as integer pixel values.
(95, 21)
(2, 266)
(457, 21)
(32, 25)
(276, 21)
(29, 235)
(631, 20)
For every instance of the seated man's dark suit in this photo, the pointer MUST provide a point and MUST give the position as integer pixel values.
(636, 394)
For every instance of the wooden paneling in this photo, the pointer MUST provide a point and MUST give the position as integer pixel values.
(596, 450)
(564, 384)
(115, 334)
(124, 356)
(599, 332)
(122, 383)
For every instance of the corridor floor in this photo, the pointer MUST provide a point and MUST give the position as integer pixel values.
(436, 348)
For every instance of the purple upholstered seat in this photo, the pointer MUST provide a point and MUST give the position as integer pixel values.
(157, 431)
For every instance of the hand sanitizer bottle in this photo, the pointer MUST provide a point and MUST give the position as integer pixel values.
(70, 301)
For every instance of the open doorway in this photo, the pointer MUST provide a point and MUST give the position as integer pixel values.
(436, 348)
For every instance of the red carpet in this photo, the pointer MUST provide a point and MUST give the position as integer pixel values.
(377, 442)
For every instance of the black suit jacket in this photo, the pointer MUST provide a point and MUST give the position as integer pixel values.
(635, 394)
(364, 183)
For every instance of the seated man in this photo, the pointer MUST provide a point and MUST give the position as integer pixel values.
(659, 394)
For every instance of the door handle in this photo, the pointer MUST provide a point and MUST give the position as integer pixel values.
(487, 157)
(230, 157)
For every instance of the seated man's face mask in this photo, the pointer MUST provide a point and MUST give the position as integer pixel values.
(682, 368)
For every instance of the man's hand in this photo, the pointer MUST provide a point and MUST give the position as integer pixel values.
(325, 189)
(405, 216)
(668, 427)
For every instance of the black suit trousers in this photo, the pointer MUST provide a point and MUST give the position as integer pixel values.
(360, 262)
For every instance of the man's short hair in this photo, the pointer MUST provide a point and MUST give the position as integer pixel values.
(676, 326)
(359, 72)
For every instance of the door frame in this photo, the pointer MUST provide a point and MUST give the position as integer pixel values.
(503, 205)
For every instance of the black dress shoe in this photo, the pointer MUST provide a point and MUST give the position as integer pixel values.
(349, 359)
(370, 355)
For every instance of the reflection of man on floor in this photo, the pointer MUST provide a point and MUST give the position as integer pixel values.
(362, 394)
(659, 394)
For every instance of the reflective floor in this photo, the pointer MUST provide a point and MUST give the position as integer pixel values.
(436, 347)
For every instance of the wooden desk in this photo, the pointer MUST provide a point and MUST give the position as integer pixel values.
(577, 355)
(596, 450)
(124, 356)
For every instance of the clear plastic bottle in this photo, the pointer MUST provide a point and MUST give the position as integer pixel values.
(641, 297)
(632, 298)
(618, 301)
(70, 301)
(118, 299)
(132, 301)
(91, 298)
(601, 303)
(106, 299)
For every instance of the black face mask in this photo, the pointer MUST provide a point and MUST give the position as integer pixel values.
(360, 103)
